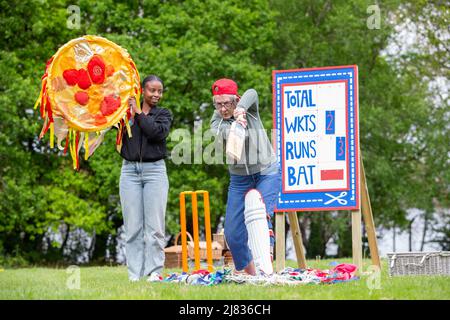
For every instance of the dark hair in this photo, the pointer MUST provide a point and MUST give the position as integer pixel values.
(151, 77)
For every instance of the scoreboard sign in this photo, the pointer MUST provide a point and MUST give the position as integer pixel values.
(316, 124)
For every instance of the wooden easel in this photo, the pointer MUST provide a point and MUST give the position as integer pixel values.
(366, 210)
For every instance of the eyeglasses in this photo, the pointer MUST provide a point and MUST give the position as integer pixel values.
(227, 105)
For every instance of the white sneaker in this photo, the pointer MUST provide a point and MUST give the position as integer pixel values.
(134, 279)
(154, 277)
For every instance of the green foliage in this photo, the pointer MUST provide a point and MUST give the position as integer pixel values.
(189, 44)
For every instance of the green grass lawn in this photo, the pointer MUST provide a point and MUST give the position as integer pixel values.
(112, 283)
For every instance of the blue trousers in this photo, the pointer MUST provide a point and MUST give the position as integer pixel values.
(235, 230)
(144, 189)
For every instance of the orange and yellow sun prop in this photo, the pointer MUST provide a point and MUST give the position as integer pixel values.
(85, 91)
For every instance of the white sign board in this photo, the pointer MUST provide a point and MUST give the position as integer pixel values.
(316, 122)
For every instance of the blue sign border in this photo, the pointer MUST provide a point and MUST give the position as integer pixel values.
(329, 200)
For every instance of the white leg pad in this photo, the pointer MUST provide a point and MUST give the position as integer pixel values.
(258, 231)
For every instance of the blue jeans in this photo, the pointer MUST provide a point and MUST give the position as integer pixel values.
(235, 230)
(144, 189)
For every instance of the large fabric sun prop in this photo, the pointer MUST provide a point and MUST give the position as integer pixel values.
(85, 91)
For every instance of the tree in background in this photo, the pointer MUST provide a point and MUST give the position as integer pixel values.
(419, 50)
(404, 134)
(189, 44)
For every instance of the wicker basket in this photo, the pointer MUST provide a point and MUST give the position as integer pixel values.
(419, 263)
(174, 253)
(228, 259)
(216, 250)
(220, 238)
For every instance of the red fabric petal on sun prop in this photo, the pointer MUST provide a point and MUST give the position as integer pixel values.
(96, 69)
(83, 79)
(82, 98)
(71, 76)
(109, 70)
(100, 119)
(109, 105)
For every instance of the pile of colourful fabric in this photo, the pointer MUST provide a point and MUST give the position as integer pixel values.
(289, 276)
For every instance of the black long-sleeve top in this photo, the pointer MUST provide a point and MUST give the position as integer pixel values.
(149, 133)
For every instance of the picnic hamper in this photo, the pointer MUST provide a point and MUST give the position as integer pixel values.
(174, 253)
(419, 263)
